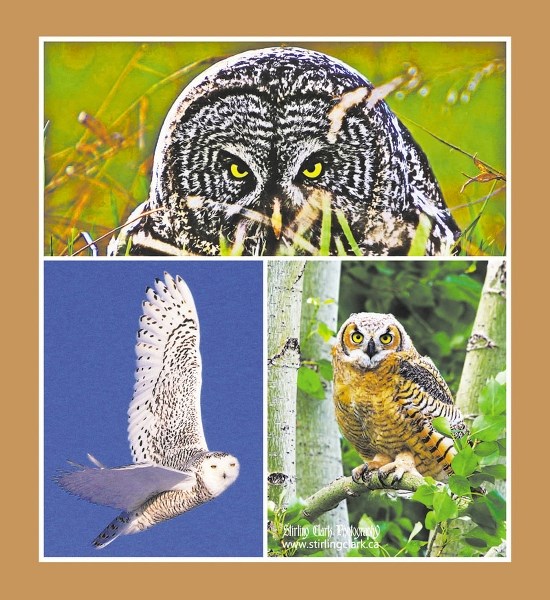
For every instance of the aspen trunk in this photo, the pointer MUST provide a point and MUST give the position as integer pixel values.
(318, 457)
(486, 349)
(285, 281)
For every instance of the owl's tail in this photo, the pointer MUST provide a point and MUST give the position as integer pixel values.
(120, 525)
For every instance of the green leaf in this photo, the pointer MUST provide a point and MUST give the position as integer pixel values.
(309, 382)
(367, 524)
(486, 449)
(404, 523)
(461, 443)
(461, 287)
(347, 233)
(430, 521)
(293, 513)
(465, 462)
(425, 494)
(443, 341)
(459, 485)
(324, 331)
(442, 425)
(477, 479)
(480, 514)
(492, 400)
(325, 225)
(273, 543)
(476, 542)
(479, 534)
(497, 471)
(423, 297)
(496, 504)
(488, 428)
(325, 369)
(444, 506)
(421, 235)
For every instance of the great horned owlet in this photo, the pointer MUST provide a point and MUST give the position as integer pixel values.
(273, 151)
(386, 396)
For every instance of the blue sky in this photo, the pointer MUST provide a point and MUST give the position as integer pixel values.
(91, 312)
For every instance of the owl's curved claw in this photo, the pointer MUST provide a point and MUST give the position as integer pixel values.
(403, 463)
(360, 473)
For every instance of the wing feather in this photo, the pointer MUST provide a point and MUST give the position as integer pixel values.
(423, 373)
(124, 488)
(165, 425)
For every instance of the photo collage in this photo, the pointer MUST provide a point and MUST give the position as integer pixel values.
(275, 319)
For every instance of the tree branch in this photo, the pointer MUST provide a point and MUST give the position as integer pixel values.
(342, 488)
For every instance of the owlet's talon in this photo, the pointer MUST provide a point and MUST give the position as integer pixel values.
(403, 463)
(360, 473)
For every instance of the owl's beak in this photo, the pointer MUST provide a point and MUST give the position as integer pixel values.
(371, 348)
(276, 218)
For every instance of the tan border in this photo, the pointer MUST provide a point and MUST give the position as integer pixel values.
(21, 570)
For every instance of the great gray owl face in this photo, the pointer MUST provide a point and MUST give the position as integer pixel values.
(257, 148)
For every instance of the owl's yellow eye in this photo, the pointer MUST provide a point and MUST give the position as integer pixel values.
(313, 170)
(386, 338)
(237, 171)
(357, 337)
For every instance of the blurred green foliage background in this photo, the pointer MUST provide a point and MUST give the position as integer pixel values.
(96, 172)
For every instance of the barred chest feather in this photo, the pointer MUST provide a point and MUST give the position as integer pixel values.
(373, 416)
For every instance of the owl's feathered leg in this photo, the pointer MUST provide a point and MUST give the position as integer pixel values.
(403, 463)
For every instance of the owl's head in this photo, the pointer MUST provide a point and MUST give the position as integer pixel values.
(366, 339)
(277, 151)
(253, 146)
(218, 471)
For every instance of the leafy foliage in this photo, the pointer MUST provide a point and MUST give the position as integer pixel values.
(460, 511)
(478, 463)
(311, 374)
(436, 302)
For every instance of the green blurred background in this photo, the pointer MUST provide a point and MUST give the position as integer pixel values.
(94, 177)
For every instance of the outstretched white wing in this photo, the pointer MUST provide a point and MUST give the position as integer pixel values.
(165, 425)
(125, 488)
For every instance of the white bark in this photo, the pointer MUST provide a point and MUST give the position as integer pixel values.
(486, 349)
(319, 457)
(285, 281)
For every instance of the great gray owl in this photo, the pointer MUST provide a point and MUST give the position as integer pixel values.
(173, 469)
(257, 150)
(386, 396)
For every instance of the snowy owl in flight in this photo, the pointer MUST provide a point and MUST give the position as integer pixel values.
(173, 469)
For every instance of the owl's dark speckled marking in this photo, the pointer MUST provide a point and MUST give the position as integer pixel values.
(250, 146)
